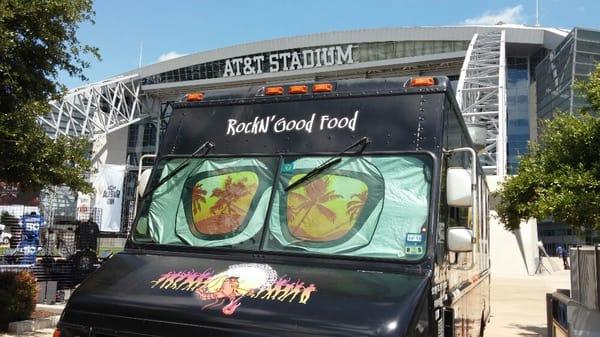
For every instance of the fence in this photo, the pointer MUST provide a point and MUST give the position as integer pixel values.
(56, 234)
(569, 318)
(557, 313)
(55, 247)
(585, 276)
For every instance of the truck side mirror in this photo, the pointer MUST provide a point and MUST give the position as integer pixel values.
(143, 181)
(460, 239)
(459, 192)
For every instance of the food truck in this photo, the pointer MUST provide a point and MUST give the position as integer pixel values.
(341, 208)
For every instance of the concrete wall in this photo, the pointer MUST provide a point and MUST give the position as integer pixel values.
(110, 148)
(511, 253)
(505, 251)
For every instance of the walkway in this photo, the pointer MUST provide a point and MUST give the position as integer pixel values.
(519, 303)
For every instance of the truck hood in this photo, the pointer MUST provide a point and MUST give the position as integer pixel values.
(157, 295)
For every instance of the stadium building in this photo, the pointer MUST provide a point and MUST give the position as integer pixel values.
(507, 78)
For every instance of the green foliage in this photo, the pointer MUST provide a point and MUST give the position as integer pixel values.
(8, 220)
(37, 41)
(18, 296)
(559, 178)
(33, 160)
(5, 217)
(591, 90)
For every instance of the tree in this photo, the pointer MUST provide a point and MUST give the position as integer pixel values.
(198, 198)
(560, 176)
(229, 195)
(356, 204)
(37, 41)
(317, 195)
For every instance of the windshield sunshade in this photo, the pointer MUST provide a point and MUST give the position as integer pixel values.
(369, 206)
(215, 202)
(365, 206)
(328, 209)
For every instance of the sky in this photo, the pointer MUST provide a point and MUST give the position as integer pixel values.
(167, 29)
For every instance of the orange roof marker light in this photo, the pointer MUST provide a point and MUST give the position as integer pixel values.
(322, 87)
(56, 333)
(274, 91)
(422, 81)
(194, 97)
(298, 89)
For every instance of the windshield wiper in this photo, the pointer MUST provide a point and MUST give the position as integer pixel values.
(207, 145)
(329, 163)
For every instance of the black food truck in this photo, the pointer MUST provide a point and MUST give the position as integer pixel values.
(346, 208)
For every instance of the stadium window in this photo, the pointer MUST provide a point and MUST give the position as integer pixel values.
(132, 158)
(409, 48)
(149, 138)
(132, 135)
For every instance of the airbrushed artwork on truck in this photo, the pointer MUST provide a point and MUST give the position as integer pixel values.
(227, 289)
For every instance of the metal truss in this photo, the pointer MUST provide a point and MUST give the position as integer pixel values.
(96, 109)
(481, 95)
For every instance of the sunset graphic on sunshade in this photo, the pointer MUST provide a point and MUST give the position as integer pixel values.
(221, 203)
(326, 208)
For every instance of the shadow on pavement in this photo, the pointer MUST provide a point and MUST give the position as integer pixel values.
(530, 330)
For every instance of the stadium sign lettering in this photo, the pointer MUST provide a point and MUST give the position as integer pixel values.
(285, 61)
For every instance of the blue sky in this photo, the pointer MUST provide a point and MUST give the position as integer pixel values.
(177, 27)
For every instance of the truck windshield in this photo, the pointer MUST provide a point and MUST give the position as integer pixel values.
(370, 206)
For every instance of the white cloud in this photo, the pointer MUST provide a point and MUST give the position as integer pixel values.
(170, 55)
(506, 15)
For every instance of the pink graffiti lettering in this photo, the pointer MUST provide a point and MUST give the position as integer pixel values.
(187, 280)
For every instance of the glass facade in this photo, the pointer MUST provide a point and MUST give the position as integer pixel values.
(554, 78)
(517, 109)
(573, 59)
(141, 140)
(554, 234)
(362, 52)
(149, 138)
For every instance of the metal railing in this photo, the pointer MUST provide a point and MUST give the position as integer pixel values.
(557, 313)
(569, 318)
(585, 275)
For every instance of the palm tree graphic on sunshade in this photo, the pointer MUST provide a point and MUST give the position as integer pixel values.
(317, 194)
(356, 204)
(225, 206)
(198, 198)
(229, 195)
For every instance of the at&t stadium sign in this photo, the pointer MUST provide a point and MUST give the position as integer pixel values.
(288, 60)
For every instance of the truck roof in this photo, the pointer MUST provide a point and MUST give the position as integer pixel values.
(341, 88)
(394, 113)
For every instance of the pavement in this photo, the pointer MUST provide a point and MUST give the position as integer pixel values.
(55, 309)
(518, 303)
(39, 333)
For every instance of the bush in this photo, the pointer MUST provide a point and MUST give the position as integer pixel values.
(18, 296)
(8, 220)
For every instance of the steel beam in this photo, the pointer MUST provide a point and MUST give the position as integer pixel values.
(96, 109)
(481, 95)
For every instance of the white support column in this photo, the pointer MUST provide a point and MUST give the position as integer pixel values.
(502, 143)
(481, 95)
